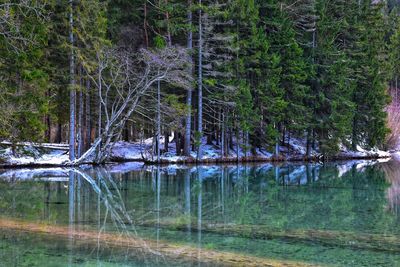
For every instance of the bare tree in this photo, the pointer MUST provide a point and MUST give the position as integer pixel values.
(393, 120)
(123, 78)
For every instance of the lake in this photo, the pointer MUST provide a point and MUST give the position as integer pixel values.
(336, 214)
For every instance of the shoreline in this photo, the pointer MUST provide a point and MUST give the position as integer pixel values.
(194, 161)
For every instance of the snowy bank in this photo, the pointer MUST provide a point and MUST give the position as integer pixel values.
(295, 150)
(47, 155)
(30, 154)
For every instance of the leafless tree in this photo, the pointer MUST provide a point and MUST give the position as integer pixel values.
(122, 79)
(393, 139)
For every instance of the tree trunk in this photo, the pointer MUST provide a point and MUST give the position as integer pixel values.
(354, 136)
(308, 145)
(99, 118)
(209, 139)
(223, 136)
(277, 147)
(395, 90)
(186, 148)
(59, 133)
(237, 143)
(177, 143)
(277, 143)
(48, 122)
(88, 122)
(80, 115)
(101, 148)
(146, 35)
(166, 141)
(246, 137)
(134, 133)
(158, 121)
(313, 140)
(126, 132)
(72, 93)
(48, 131)
(200, 86)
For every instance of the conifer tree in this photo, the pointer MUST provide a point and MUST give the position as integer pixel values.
(293, 67)
(23, 78)
(370, 96)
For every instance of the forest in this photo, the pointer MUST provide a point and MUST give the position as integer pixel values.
(238, 74)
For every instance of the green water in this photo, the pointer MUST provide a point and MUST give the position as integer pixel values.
(174, 205)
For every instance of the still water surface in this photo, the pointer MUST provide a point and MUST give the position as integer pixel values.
(339, 214)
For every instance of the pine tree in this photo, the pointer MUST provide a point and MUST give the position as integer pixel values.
(293, 74)
(24, 81)
(394, 51)
(332, 86)
(370, 96)
(259, 68)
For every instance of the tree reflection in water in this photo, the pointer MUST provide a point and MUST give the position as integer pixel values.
(204, 207)
(110, 198)
(392, 174)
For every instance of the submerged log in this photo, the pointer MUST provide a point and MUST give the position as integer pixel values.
(374, 242)
(147, 247)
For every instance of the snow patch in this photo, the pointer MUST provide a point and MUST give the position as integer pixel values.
(57, 154)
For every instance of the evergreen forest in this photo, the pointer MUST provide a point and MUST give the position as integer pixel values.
(248, 73)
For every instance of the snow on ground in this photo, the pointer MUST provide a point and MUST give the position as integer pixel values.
(298, 146)
(29, 155)
(138, 151)
(361, 152)
(57, 154)
(129, 151)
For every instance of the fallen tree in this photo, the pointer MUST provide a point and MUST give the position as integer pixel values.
(122, 79)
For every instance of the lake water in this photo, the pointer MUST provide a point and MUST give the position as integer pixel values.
(338, 214)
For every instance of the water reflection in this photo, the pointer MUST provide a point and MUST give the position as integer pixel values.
(102, 196)
(206, 206)
(392, 174)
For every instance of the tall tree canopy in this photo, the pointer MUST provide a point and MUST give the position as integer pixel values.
(261, 71)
